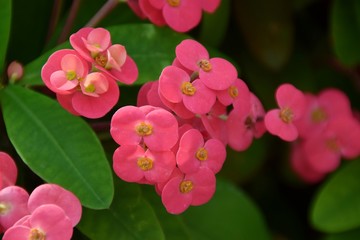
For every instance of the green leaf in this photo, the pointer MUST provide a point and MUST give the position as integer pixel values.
(267, 29)
(129, 217)
(336, 207)
(345, 31)
(349, 235)
(57, 146)
(5, 13)
(230, 214)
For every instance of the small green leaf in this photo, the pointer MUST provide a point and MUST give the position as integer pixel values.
(336, 207)
(349, 235)
(129, 217)
(267, 29)
(57, 146)
(345, 31)
(5, 13)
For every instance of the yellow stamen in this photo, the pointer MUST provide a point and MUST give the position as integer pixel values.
(173, 3)
(318, 115)
(90, 88)
(36, 234)
(205, 65)
(202, 154)
(186, 186)
(4, 208)
(101, 59)
(188, 89)
(286, 115)
(233, 91)
(70, 75)
(145, 163)
(144, 129)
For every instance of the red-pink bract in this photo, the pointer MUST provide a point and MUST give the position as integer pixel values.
(8, 170)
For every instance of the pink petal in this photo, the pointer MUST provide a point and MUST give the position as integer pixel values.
(222, 75)
(204, 186)
(128, 74)
(186, 159)
(273, 123)
(175, 201)
(116, 56)
(159, 4)
(210, 5)
(53, 221)
(8, 170)
(203, 99)
(123, 125)
(96, 107)
(178, 108)
(228, 96)
(71, 62)
(134, 5)
(17, 232)
(170, 82)
(183, 17)
(154, 97)
(164, 164)
(216, 155)
(216, 127)
(155, 15)
(98, 40)
(289, 96)
(125, 162)
(142, 98)
(15, 70)
(165, 134)
(76, 41)
(60, 82)
(55, 194)
(189, 52)
(66, 102)
(335, 102)
(240, 135)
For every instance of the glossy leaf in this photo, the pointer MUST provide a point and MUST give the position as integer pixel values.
(5, 13)
(267, 29)
(345, 30)
(129, 217)
(230, 214)
(336, 207)
(57, 146)
(349, 235)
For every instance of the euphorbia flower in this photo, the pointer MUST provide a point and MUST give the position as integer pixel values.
(238, 89)
(210, 5)
(55, 194)
(15, 71)
(215, 73)
(8, 170)
(157, 128)
(98, 95)
(94, 44)
(175, 86)
(190, 189)
(134, 164)
(245, 122)
(154, 14)
(280, 121)
(63, 71)
(194, 153)
(13, 205)
(48, 222)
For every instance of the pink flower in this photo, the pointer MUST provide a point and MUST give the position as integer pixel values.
(175, 86)
(8, 170)
(215, 73)
(94, 45)
(15, 71)
(238, 89)
(46, 222)
(63, 71)
(155, 127)
(55, 194)
(97, 96)
(194, 153)
(13, 205)
(245, 122)
(134, 164)
(152, 13)
(191, 189)
(210, 5)
(280, 121)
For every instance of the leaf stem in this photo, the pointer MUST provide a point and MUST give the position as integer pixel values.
(55, 15)
(102, 13)
(69, 21)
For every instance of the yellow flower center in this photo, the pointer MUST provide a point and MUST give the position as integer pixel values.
(318, 115)
(205, 65)
(173, 3)
(36, 234)
(332, 144)
(4, 208)
(286, 115)
(144, 129)
(186, 186)
(101, 59)
(145, 163)
(70, 75)
(90, 88)
(233, 92)
(188, 89)
(202, 154)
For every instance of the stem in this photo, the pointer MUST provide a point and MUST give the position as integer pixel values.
(55, 14)
(69, 21)
(102, 13)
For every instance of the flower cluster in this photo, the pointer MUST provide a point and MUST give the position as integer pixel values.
(49, 212)
(85, 78)
(328, 131)
(175, 139)
(180, 15)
